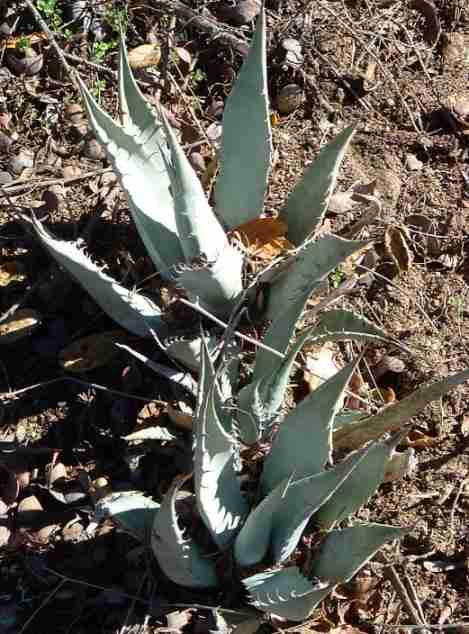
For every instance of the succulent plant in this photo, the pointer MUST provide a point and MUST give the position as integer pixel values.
(188, 241)
(303, 490)
(303, 487)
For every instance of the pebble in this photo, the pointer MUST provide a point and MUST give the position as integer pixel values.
(289, 98)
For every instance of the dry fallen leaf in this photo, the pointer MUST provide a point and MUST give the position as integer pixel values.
(19, 325)
(418, 440)
(92, 351)
(395, 241)
(320, 366)
(144, 56)
(179, 419)
(264, 238)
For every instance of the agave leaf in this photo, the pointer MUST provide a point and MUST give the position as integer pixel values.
(132, 511)
(215, 285)
(345, 417)
(198, 229)
(260, 400)
(393, 417)
(131, 310)
(188, 351)
(344, 552)
(180, 558)
(253, 540)
(246, 139)
(286, 593)
(303, 443)
(302, 499)
(183, 379)
(359, 486)
(138, 163)
(217, 489)
(309, 200)
(312, 264)
(338, 324)
(136, 114)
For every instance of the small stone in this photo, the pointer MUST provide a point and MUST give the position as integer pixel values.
(5, 178)
(74, 112)
(243, 12)
(71, 171)
(5, 142)
(388, 187)
(289, 98)
(30, 64)
(93, 150)
(197, 161)
(455, 52)
(458, 106)
(23, 160)
(293, 52)
(215, 108)
(413, 163)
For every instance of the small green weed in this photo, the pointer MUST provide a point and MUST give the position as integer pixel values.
(98, 88)
(51, 11)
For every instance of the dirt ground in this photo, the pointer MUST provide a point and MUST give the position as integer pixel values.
(397, 69)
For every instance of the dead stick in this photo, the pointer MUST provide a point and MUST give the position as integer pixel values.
(206, 24)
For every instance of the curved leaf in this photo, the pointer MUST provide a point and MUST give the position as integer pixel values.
(215, 285)
(135, 153)
(359, 486)
(286, 593)
(308, 202)
(338, 324)
(312, 264)
(131, 510)
(198, 229)
(246, 145)
(302, 499)
(303, 443)
(393, 417)
(343, 553)
(188, 351)
(217, 489)
(130, 309)
(253, 540)
(179, 558)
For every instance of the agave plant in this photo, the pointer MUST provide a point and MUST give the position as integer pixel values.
(302, 490)
(186, 239)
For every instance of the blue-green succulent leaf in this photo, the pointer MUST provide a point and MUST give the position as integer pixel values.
(344, 552)
(253, 540)
(358, 487)
(135, 152)
(132, 511)
(130, 309)
(303, 443)
(302, 499)
(338, 324)
(308, 268)
(246, 139)
(219, 500)
(286, 593)
(345, 417)
(188, 351)
(179, 557)
(216, 285)
(393, 417)
(198, 229)
(307, 204)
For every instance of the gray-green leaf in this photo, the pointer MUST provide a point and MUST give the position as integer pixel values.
(246, 139)
(180, 558)
(309, 200)
(130, 309)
